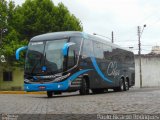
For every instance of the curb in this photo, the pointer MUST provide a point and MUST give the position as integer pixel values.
(20, 92)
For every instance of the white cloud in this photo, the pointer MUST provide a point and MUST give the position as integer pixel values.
(121, 16)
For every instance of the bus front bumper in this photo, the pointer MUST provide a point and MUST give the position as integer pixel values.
(61, 86)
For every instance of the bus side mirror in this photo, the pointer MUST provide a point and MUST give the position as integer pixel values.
(19, 50)
(65, 48)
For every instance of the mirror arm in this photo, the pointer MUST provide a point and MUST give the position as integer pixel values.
(65, 48)
(19, 50)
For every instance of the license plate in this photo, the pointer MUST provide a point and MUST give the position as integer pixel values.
(42, 87)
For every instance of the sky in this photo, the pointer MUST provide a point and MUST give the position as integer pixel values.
(120, 16)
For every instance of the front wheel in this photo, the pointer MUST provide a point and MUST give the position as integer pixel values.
(49, 94)
(84, 90)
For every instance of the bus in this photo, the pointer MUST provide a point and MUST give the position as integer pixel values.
(76, 61)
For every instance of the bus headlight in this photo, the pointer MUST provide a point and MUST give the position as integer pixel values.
(61, 78)
(26, 80)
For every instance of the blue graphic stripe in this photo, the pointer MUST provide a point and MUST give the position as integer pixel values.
(75, 75)
(99, 71)
(64, 85)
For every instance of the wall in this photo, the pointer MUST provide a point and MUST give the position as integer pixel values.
(16, 84)
(150, 71)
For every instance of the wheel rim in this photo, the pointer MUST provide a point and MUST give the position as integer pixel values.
(122, 86)
(126, 84)
(84, 88)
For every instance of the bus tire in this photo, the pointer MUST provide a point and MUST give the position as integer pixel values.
(122, 85)
(49, 94)
(126, 85)
(84, 90)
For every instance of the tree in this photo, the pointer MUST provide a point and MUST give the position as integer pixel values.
(34, 17)
(9, 35)
(3, 18)
(42, 16)
(67, 21)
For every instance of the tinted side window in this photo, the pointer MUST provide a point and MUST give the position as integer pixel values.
(107, 51)
(98, 50)
(74, 51)
(77, 41)
(116, 54)
(129, 57)
(87, 48)
(71, 58)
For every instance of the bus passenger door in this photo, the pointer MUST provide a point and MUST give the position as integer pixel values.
(86, 62)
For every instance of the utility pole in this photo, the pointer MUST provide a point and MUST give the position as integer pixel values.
(112, 37)
(139, 54)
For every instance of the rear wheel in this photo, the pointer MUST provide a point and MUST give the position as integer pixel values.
(49, 94)
(127, 85)
(84, 90)
(122, 86)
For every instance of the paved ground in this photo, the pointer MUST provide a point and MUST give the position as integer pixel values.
(145, 100)
(136, 100)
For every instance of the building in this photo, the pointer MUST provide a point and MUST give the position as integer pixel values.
(150, 70)
(11, 79)
(155, 50)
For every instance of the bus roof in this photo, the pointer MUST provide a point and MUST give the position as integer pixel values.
(67, 34)
(56, 35)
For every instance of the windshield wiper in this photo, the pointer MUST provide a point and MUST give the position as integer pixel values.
(34, 68)
(35, 65)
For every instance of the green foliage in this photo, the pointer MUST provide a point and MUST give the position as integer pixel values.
(9, 35)
(18, 24)
(42, 16)
(3, 14)
(67, 21)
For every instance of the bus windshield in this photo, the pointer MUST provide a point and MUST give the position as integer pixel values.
(47, 57)
(47, 53)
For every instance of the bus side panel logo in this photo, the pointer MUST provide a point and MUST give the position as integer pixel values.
(112, 69)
